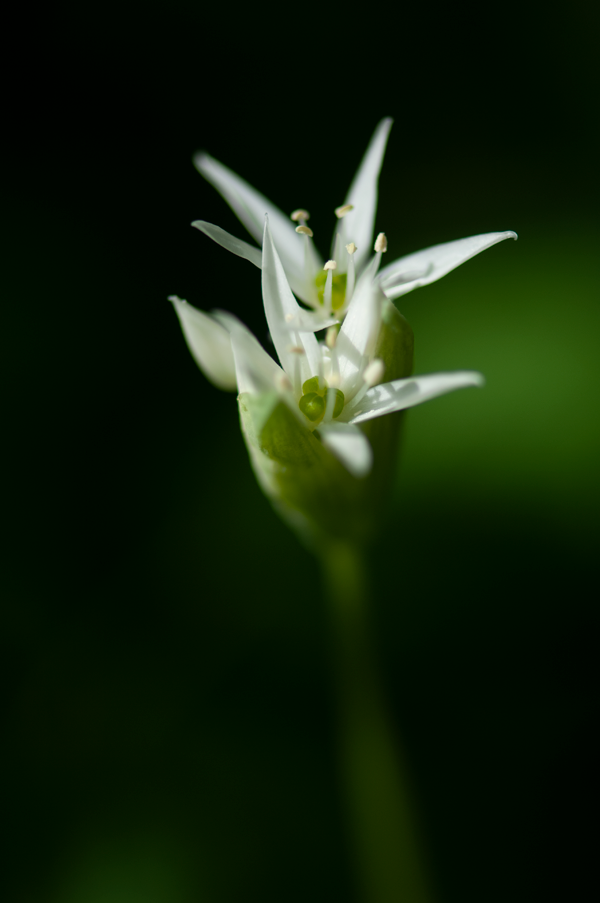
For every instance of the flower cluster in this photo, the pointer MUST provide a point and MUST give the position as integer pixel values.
(322, 391)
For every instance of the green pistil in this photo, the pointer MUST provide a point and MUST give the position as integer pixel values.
(313, 403)
(338, 289)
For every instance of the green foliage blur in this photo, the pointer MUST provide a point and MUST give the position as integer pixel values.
(169, 718)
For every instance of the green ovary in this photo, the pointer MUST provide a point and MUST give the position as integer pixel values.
(338, 289)
(313, 403)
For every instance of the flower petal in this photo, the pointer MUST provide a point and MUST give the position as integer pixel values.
(358, 336)
(427, 266)
(256, 370)
(235, 245)
(209, 344)
(251, 206)
(406, 393)
(349, 445)
(362, 194)
(283, 312)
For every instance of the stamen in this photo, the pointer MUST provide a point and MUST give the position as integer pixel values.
(372, 376)
(342, 211)
(336, 253)
(328, 289)
(351, 248)
(305, 230)
(331, 336)
(330, 399)
(296, 349)
(351, 277)
(299, 215)
(381, 243)
(373, 373)
(289, 318)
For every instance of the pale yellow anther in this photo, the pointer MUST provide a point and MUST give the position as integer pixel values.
(342, 211)
(331, 336)
(330, 265)
(351, 248)
(374, 371)
(299, 215)
(381, 242)
(289, 318)
(305, 230)
(296, 349)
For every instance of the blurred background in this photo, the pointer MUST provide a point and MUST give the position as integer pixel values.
(169, 714)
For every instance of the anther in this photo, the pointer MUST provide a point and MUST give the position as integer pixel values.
(289, 318)
(343, 210)
(331, 336)
(296, 349)
(381, 242)
(351, 248)
(304, 230)
(299, 215)
(373, 373)
(330, 265)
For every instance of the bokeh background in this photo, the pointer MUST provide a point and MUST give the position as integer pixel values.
(169, 716)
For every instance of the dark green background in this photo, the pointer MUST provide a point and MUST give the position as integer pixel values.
(169, 713)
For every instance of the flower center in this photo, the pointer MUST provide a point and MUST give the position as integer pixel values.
(317, 398)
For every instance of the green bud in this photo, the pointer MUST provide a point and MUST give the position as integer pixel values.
(312, 405)
(313, 385)
(395, 345)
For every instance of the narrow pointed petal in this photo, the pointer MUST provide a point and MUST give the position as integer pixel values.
(358, 336)
(406, 393)
(209, 344)
(310, 321)
(251, 206)
(349, 445)
(235, 245)
(362, 194)
(256, 371)
(282, 311)
(427, 266)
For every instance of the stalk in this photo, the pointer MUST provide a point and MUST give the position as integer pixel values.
(376, 784)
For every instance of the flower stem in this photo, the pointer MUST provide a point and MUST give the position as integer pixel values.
(376, 783)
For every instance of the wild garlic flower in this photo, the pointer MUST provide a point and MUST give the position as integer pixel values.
(304, 419)
(327, 287)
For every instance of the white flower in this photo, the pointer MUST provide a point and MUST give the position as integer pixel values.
(329, 386)
(327, 288)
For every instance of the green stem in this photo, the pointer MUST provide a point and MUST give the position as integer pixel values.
(375, 779)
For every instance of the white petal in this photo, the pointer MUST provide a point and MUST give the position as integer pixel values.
(311, 321)
(256, 370)
(235, 245)
(358, 336)
(426, 266)
(209, 343)
(282, 312)
(362, 194)
(406, 393)
(349, 445)
(251, 206)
